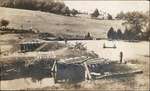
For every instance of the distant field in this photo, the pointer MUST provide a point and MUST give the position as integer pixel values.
(58, 24)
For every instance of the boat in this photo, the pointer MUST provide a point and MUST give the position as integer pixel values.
(104, 46)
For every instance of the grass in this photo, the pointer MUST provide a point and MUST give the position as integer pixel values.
(134, 83)
(57, 24)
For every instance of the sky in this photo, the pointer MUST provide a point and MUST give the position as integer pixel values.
(112, 7)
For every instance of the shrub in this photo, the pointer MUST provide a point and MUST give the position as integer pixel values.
(74, 12)
(95, 13)
(109, 17)
(65, 11)
(4, 23)
(88, 36)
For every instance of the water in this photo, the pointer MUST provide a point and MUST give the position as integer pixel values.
(131, 50)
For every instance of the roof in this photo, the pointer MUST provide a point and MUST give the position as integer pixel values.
(33, 41)
(80, 60)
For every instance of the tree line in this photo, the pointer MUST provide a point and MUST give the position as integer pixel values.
(128, 34)
(42, 5)
(138, 23)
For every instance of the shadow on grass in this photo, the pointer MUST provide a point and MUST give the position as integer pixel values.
(71, 73)
(20, 69)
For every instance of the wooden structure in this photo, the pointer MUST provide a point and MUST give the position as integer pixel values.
(33, 45)
(91, 67)
(79, 68)
(84, 63)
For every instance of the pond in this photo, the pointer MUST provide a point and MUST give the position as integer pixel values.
(131, 50)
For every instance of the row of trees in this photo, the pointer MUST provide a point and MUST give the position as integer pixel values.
(42, 5)
(128, 34)
(124, 16)
(138, 23)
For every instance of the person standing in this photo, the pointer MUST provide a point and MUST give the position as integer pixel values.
(65, 41)
(121, 57)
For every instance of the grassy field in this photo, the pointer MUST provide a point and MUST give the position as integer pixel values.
(58, 24)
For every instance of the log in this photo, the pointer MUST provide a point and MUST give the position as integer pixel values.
(87, 72)
(119, 74)
(53, 66)
(55, 73)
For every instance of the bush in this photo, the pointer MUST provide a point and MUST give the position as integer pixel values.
(109, 17)
(4, 23)
(74, 12)
(95, 13)
(88, 36)
(65, 11)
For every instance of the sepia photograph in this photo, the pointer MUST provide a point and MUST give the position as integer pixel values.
(99, 45)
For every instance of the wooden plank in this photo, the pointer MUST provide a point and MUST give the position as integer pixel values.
(53, 67)
(42, 46)
(87, 72)
(55, 72)
(120, 74)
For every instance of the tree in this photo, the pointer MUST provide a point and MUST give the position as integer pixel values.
(111, 33)
(137, 21)
(119, 34)
(65, 11)
(120, 15)
(109, 17)
(129, 34)
(88, 36)
(95, 13)
(74, 12)
(56, 8)
(125, 34)
(4, 23)
(146, 34)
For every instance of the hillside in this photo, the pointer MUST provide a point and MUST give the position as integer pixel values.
(53, 6)
(57, 24)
